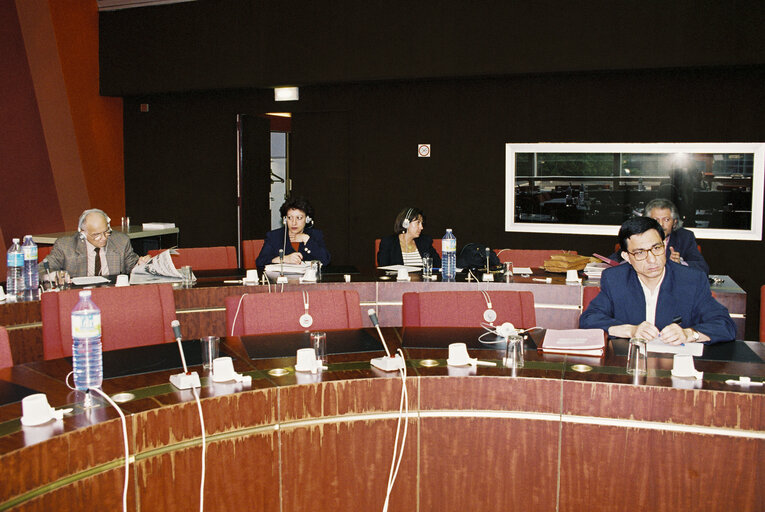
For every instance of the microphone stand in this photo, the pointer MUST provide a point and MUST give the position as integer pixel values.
(186, 379)
(282, 279)
(388, 363)
(487, 276)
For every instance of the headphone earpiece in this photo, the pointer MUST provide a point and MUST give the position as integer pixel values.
(308, 219)
(406, 222)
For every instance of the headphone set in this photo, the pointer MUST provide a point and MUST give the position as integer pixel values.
(489, 315)
(306, 320)
(308, 220)
(84, 214)
(406, 222)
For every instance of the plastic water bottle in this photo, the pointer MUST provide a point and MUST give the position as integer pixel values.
(449, 253)
(14, 284)
(31, 276)
(87, 363)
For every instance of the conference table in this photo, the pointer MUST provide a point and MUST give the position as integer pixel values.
(201, 310)
(561, 433)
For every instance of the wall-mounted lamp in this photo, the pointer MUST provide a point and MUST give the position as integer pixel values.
(286, 94)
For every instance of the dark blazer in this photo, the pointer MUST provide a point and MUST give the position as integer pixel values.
(313, 250)
(684, 242)
(70, 253)
(390, 250)
(684, 292)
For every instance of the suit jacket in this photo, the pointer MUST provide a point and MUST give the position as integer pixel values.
(70, 253)
(313, 250)
(684, 242)
(684, 292)
(390, 250)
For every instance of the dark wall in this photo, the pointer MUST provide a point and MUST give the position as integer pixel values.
(258, 43)
(354, 150)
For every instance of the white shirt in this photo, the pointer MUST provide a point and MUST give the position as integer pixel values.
(651, 298)
(412, 259)
(91, 250)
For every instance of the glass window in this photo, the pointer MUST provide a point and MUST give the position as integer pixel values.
(593, 188)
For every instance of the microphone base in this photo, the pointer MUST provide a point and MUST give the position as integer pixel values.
(281, 280)
(185, 381)
(487, 277)
(388, 364)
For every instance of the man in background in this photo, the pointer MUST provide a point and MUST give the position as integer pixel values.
(94, 250)
(679, 242)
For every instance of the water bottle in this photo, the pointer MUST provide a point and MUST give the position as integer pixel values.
(14, 283)
(449, 253)
(31, 276)
(87, 362)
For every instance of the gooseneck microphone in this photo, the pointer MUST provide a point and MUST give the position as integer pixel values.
(176, 325)
(186, 379)
(487, 259)
(376, 323)
(388, 363)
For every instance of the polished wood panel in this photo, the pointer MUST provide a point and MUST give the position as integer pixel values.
(637, 469)
(542, 437)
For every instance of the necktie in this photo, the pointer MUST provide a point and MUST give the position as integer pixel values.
(97, 267)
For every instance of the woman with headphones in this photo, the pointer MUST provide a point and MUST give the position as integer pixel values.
(299, 241)
(407, 245)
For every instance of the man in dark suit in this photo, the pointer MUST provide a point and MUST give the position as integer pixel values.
(652, 297)
(94, 249)
(680, 242)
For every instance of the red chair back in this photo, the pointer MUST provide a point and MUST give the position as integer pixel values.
(250, 251)
(131, 316)
(204, 258)
(528, 257)
(589, 293)
(6, 359)
(43, 251)
(268, 313)
(465, 309)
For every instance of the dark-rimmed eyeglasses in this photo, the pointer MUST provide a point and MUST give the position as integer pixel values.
(101, 235)
(656, 250)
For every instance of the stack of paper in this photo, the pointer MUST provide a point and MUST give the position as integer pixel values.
(593, 270)
(150, 226)
(582, 342)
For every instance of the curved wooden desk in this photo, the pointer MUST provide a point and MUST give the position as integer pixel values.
(201, 309)
(542, 438)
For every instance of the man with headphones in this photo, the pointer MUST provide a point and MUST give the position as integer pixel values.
(94, 250)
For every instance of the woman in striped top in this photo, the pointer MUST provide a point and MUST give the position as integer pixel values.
(408, 245)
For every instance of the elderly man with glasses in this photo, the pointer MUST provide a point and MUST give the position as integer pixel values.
(94, 250)
(653, 297)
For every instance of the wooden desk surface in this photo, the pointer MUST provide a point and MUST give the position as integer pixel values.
(201, 308)
(544, 437)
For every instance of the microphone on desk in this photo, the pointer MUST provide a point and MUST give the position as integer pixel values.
(281, 279)
(389, 363)
(488, 276)
(186, 379)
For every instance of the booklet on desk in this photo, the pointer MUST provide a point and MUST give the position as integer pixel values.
(583, 342)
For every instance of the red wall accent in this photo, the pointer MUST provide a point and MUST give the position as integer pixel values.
(97, 119)
(28, 200)
(41, 173)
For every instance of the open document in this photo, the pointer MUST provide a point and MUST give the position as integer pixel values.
(159, 269)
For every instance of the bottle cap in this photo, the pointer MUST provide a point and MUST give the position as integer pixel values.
(15, 240)
(85, 293)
